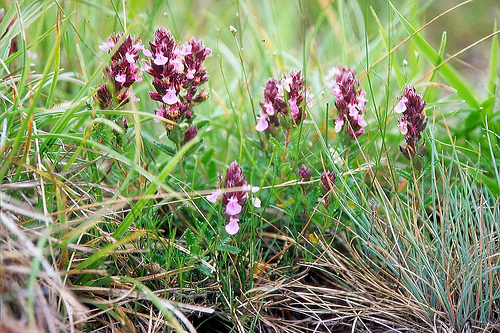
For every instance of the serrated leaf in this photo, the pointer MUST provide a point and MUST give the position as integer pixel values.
(195, 147)
(165, 148)
(190, 238)
(191, 243)
(202, 123)
(227, 248)
(205, 270)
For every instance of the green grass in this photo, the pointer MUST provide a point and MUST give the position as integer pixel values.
(108, 228)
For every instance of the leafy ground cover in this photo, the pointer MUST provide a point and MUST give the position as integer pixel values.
(248, 166)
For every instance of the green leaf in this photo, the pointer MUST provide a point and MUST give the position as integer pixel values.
(195, 147)
(405, 174)
(190, 238)
(222, 247)
(205, 270)
(165, 148)
(202, 123)
(176, 135)
(487, 106)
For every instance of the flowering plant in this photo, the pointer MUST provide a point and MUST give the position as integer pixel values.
(283, 102)
(121, 73)
(350, 101)
(233, 200)
(177, 72)
(412, 123)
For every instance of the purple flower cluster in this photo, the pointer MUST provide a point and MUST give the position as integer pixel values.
(304, 176)
(233, 200)
(350, 101)
(177, 72)
(327, 180)
(121, 73)
(412, 123)
(283, 102)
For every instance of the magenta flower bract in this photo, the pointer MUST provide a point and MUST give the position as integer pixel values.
(412, 123)
(304, 175)
(327, 180)
(283, 102)
(121, 73)
(233, 201)
(350, 101)
(177, 73)
(190, 134)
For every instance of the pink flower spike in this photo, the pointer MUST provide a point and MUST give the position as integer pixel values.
(256, 202)
(362, 99)
(170, 97)
(337, 93)
(160, 60)
(178, 65)
(145, 67)
(146, 52)
(269, 108)
(134, 98)
(137, 78)
(233, 207)
(190, 74)
(293, 107)
(287, 82)
(232, 227)
(403, 125)
(121, 78)
(262, 124)
(353, 110)
(401, 107)
(106, 46)
(339, 123)
(332, 73)
(214, 196)
(361, 120)
(159, 113)
(129, 57)
(186, 49)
